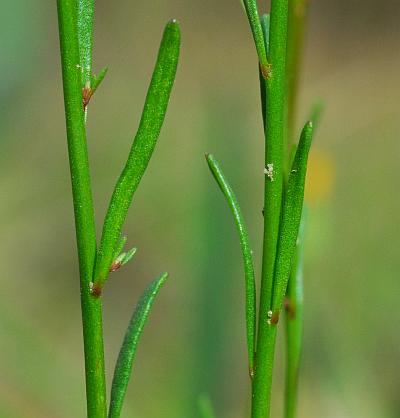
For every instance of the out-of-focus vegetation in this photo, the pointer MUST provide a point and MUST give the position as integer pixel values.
(352, 344)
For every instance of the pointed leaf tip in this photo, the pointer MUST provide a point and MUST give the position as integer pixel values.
(154, 111)
(250, 300)
(126, 357)
(291, 217)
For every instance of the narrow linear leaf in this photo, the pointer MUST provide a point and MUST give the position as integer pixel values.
(265, 21)
(291, 217)
(120, 246)
(246, 252)
(96, 79)
(265, 24)
(85, 36)
(142, 149)
(257, 31)
(126, 357)
(122, 259)
(294, 322)
(205, 407)
(129, 255)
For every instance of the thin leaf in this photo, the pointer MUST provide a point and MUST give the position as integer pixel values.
(126, 357)
(291, 217)
(142, 149)
(247, 256)
(294, 322)
(265, 22)
(128, 255)
(257, 31)
(96, 79)
(120, 246)
(85, 36)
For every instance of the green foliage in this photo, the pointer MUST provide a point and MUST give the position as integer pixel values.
(291, 217)
(283, 195)
(142, 148)
(85, 36)
(247, 256)
(256, 29)
(96, 79)
(294, 322)
(75, 19)
(126, 357)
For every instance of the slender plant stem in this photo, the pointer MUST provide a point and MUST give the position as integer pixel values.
(274, 135)
(83, 208)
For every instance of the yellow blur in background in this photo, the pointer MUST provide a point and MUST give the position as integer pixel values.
(194, 342)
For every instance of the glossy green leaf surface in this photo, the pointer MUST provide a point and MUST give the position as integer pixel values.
(294, 323)
(126, 357)
(85, 35)
(246, 253)
(291, 217)
(256, 29)
(142, 148)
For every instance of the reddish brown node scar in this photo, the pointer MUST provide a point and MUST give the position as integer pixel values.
(266, 71)
(86, 96)
(115, 266)
(290, 308)
(275, 318)
(96, 290)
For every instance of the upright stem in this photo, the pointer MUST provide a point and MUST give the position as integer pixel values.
(275, 117)
(83, 208)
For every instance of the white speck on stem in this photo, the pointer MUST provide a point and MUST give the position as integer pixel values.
(269, 315)
(269, 171)
(91, 284)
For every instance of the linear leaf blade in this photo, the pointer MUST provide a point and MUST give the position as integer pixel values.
(294, 322)
(257, 31)
(142, 148)
(85, 36)
(246, 253)
(291, 218)
(126, 357)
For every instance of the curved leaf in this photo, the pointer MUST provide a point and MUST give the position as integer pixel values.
(291, 218)
(123, 368)
(142, 148)
(257, 31)
(247, 256)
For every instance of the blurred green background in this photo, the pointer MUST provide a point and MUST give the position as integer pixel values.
(194, 342)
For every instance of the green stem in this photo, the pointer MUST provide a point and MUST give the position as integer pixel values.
(83, 208)
(275, 116)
